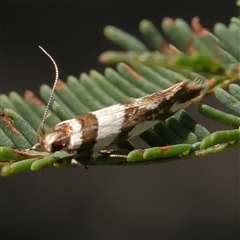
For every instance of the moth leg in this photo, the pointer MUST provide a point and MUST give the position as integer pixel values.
(76, 163)
(105, 151)
(118, 156)
(37, 145)
(109, 151)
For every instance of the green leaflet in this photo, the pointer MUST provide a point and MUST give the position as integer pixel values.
(234, 89)
(65, 94)
(219, 116)
(45, 91)
(21, 124)
(34, 163)
(16, 137)
(39, 107)
(5, 140)
(7, 153)
(228, 100)
(108, 87)
(24, 109)
(82, 93)
(231, 101)
(123, 39)
(96, 91)
(60, 111)
(137, 79)
(228, 136)
(159, 152)
(153, 76)
(48, 161)
(151, 34)
(230, 39)
(199, 131)
(123, 84)
(18, 167)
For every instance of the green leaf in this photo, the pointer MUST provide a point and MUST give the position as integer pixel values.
(230, 39)
(151, 34)
(159, 152)
(221, 137)
(123, 39)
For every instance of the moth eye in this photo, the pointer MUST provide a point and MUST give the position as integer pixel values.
(57, 146)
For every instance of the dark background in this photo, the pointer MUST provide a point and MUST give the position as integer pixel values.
(195, 199)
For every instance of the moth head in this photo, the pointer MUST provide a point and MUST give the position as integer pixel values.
(56, 140)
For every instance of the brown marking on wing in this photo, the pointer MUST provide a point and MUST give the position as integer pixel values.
(137, 111)
(183, 93)
(133, 116)
(90, 132)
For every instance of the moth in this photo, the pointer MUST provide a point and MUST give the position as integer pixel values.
(95, 131)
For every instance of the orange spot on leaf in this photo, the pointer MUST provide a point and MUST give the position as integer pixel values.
(164, 48)
(8, 123)
(60, 85)
(30, 95)
(190, 48)
(45, 165)
(238, 68)
(59, 161)
(133, 73)
(174, 49)
(165, 149)
(210, 82)
(198, 29)
(169, 21)
(142, 150)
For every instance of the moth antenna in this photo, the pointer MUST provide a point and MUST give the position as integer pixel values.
(41, 126)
